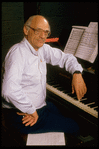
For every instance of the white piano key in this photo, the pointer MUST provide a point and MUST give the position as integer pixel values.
(95, 107)
(90, 103)
(83, 99)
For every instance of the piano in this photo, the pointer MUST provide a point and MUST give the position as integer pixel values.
(85, 111)
(59, 83)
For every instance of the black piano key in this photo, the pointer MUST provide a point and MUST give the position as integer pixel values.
(85, 101)
(60, 88)
(72, 95)
(66, 91)
(52, 82)
(92, 105)
(56, 85)
(96, 109)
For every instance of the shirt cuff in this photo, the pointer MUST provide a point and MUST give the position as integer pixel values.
(77, 72)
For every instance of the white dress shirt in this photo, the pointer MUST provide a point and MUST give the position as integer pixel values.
(24, 79)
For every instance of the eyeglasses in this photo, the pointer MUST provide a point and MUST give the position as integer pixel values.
(38, 31)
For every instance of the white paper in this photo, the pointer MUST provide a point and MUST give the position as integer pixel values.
(49, 138)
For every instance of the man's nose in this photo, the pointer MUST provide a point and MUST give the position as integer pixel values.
(42, 34)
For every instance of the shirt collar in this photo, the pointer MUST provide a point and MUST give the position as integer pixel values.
(30, 46)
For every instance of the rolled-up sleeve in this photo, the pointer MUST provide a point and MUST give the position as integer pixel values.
(55, 56)
(11, 86)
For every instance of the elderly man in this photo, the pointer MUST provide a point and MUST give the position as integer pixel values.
(24, 81)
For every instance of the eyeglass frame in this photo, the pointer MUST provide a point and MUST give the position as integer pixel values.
(40, 29)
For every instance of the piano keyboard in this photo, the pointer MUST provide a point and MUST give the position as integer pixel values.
(83, 104)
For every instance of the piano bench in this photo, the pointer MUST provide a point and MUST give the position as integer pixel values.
(10, 137)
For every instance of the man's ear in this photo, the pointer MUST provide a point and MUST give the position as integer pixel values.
(25, 30)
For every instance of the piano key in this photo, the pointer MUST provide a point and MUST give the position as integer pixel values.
(90, 103)
(83, 99)
(60, 84)
(56, 85)
(72, 95)
(95, 107)
(60, 88)
(66, 91)
(51, 82)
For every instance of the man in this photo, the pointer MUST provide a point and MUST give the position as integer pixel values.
(24, 82)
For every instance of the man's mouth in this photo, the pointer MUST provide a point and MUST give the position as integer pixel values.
(41, 41)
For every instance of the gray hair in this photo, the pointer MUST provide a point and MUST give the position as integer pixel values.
(28, 22)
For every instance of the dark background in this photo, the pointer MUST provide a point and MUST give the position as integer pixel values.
(61, 16)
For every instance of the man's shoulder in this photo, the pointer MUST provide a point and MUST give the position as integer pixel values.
(18, 47)
(46, 45)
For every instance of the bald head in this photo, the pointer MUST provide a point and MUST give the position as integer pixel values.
(35, 20)
(36, 30)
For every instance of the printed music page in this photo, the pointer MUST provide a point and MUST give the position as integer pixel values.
(94, 54)
(74, 39)
(49, 138)
(88, 46)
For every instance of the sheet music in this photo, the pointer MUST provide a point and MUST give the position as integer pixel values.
(93, 27)
(87, 48)
(49, 138)
(94, 54)
(74, 40)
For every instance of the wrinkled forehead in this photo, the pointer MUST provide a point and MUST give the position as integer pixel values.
(40, 22)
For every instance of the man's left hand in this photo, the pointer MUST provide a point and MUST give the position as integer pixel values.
(78, 86)
(29, 119)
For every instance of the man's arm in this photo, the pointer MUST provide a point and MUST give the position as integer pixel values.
(55, 56)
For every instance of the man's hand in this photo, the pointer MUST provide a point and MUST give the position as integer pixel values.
(29, 119)
(78, 86)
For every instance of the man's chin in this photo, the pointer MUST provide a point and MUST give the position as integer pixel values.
(39, 46)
